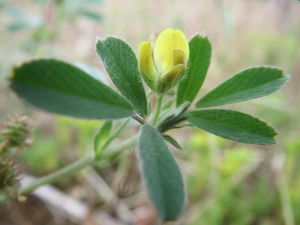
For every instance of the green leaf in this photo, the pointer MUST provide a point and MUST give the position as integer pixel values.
(59, 87)
(199, 59)
(172, 141)
(248, 84)
(101, 137)
(92, 71)
(161, 174)
(121, 64)
(233, 125)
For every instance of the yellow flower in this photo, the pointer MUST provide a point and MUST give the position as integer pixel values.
(162, 67)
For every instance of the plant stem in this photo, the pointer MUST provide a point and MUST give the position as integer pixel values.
(82, 163)
(138, 118)
(158, 108)
(121, 147)
(116, 133)
(112, 153)
(66, 171)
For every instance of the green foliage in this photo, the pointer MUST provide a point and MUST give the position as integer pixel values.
(221, 184)
(248, 84)
(231, 205)
(172, 141)
(121, 64)
(51, 148)
(161, 174)
(101, 137)
(62, 88)
(200, 54)
(233, 125)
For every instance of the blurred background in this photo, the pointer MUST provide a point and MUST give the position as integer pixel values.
(228, 183)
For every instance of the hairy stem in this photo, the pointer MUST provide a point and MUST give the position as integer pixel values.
(114, 151)
(66, 171)
(116, 133)
(78, 165)
(158, 108)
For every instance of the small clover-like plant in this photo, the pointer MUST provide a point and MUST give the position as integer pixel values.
(170, 63)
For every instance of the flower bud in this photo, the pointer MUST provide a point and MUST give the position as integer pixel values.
(164, 66)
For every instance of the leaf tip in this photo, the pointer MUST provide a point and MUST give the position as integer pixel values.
(199, 35)
(99, 38)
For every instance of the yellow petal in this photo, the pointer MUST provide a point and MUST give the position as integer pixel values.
(168, 41)
(146, 64)
(179, 57)
(170, 78)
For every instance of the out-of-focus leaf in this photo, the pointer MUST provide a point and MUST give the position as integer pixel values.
(19, 20)
(16, 26)
(90, 14)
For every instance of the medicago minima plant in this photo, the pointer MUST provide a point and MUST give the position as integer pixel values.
(174, 70)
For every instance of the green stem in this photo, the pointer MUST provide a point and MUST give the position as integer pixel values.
(138, 118)
(66, 171)
(116, 133)
(158, 108)
(114, 151)
(82, 163)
